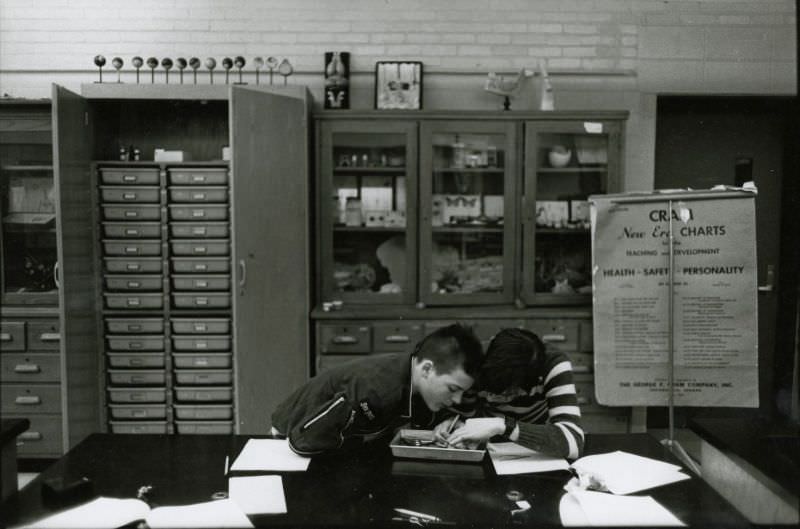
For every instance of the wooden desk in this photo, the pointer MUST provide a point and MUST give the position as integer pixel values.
(354, 490)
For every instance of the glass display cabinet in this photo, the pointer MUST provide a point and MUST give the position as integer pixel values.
(467, 212)
(565, 163)
(27, 205)
(368, 237)
(429, 218)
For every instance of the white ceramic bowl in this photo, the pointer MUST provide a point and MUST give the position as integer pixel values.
(559, 157)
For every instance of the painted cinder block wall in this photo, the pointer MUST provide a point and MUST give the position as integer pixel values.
(602, 54)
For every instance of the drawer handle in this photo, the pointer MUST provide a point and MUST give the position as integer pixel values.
(135, 361)
(133, 302)
(201, 362)
(134, 327)
(134, 284)
(198, 178)
(203, 377)
(135, 345)
(554, 338)
(198, 213)
(201, 345)
(397, 338)
(200, 267)
(132, 249)
(5, 337)
(30, 436)
(129, 196)
(132, 214)
(201, 301)
(50, 337)
(27, 368)
(200, 249)
(129, 178)
(131, 231)
(201, 284)
(139, 413)
(199, 196)
(199, 230)
(28, 400)
(345, 340)
(138, 396)
(132, 267)
(200, 327)
(137, 379)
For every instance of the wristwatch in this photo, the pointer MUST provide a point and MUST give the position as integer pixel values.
(511, 423)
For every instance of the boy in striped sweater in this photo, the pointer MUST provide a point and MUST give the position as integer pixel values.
(524, 394)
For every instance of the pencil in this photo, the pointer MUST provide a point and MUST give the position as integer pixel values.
(453, 424)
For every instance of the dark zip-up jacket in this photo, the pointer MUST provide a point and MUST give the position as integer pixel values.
(360, 400)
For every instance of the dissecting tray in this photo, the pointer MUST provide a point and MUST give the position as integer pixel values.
(400, 448)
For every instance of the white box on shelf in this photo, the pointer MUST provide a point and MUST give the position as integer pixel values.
(161, 155)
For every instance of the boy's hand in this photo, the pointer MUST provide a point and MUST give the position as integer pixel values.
(475, 431)
(442, 431)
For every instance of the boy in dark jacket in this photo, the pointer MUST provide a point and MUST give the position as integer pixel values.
(368, 398)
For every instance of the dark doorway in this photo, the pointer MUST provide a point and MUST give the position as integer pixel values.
(702, 141)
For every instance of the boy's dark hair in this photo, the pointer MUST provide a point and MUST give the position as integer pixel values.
(451, 347)
(513, 358)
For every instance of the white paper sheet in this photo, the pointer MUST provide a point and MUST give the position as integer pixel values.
(217, 513)
(624, 473)
(269, 454)
(603, 509)
(258, 494)
(511, 458)
(98, 513)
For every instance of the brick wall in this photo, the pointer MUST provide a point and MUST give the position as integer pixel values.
(610, 54)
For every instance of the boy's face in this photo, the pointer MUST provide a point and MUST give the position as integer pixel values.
(441, 390)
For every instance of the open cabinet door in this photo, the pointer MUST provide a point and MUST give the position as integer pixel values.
(80, 394)
(270, 211)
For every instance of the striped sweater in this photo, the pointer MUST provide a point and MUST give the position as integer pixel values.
(548, 415)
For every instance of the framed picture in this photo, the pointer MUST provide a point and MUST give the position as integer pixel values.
(398, 85)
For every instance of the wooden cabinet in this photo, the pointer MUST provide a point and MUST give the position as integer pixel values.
(48, 359)
(427, 218)
(202, 283)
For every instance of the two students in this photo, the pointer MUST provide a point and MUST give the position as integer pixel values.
(517, 390)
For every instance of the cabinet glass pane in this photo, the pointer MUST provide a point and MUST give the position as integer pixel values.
(570, 167)
(369, 214)
(27, 209)
(467, 213)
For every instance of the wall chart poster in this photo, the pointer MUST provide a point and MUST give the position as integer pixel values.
(714, 304)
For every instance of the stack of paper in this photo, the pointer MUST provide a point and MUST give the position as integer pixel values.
(511, 458)
(269, 455)
(624, 473)
(258, 494)
(585, 508)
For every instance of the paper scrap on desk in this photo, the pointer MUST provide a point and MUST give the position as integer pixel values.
(590, 508)
(258, 494)
(217, 513)
(624, 473)
(269, 454)
(512, 458)
(100, 512)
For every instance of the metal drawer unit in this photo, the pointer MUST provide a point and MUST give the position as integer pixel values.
(165, 241)
(133, 246)
(30, 383)
(201, 349)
